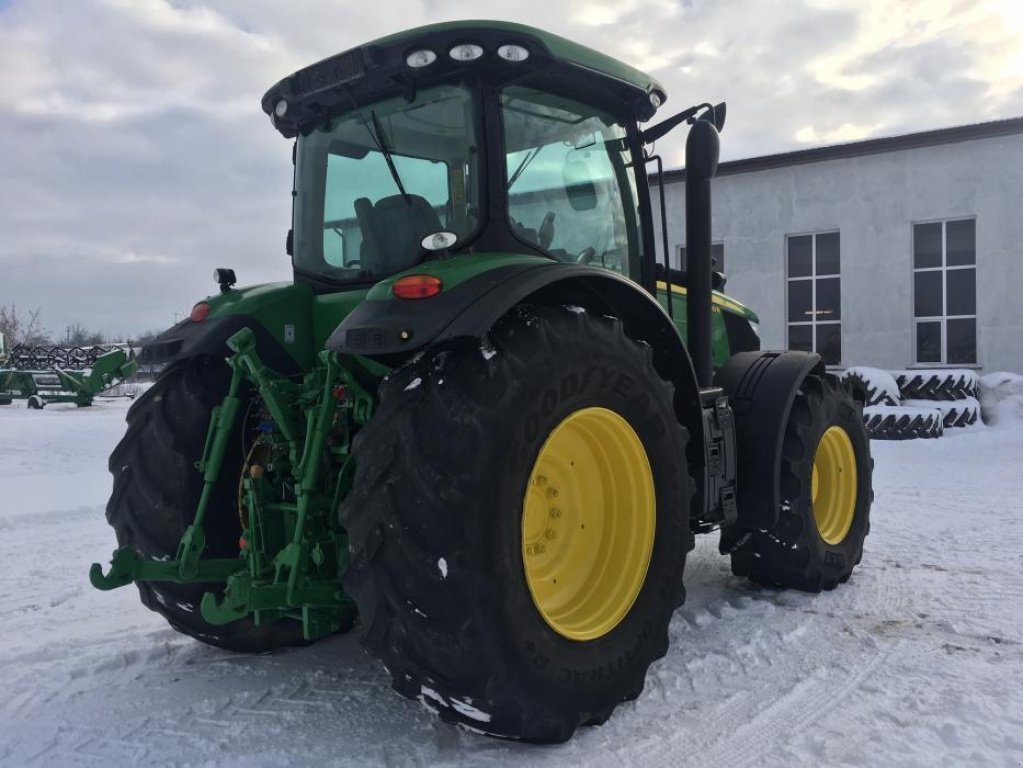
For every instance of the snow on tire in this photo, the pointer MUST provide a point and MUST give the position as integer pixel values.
(952, 384)
(955, 413)
(891, 422)
(1001, 397)
(879, 387)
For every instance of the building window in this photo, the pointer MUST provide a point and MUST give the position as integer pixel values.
(815, 295)
(945, 291)
(717, 253)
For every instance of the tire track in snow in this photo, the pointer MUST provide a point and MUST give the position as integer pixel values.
(718, 743)
(739, 645)
(213, 727)
(804, 703)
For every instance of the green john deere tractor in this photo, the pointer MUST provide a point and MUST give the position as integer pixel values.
(483, 422)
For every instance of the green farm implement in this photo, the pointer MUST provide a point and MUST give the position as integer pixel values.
(43, 375)
(483, 423)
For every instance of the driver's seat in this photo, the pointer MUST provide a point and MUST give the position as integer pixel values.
(398, 228)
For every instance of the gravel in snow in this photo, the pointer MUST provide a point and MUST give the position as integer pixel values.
(917, 661)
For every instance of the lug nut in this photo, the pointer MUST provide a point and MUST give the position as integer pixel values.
(555, 513)
(550, 534)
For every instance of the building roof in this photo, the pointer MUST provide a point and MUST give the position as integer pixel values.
(861, 148)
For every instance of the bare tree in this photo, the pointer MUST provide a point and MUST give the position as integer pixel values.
(22, 327)
(77, 335)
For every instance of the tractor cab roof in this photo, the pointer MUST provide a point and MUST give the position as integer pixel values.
(496, 51)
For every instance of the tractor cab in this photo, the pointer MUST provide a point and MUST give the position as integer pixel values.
(497, 137)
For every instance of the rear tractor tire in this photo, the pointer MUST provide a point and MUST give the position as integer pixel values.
(157, 488)
(519, 525)
(826, 494)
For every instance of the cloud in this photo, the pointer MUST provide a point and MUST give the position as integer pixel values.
(135, 157)
(845, 132)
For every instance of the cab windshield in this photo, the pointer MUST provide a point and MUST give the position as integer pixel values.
(374, 181)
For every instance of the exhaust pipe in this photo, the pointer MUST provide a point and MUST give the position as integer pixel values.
(702, 148)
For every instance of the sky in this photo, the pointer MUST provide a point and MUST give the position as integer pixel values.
(134, 157)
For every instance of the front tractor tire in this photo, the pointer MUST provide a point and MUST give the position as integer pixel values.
(519, 524)
(156, 491)
(826, 493)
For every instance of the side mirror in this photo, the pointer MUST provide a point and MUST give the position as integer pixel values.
(580, 189)
(719, 116)
(715, 115)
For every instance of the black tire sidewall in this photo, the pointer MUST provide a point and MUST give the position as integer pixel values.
(585, 377)
(836, 560)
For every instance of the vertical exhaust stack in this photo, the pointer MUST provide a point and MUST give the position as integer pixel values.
(702, 148)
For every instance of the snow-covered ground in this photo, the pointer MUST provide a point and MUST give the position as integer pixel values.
(916, 661)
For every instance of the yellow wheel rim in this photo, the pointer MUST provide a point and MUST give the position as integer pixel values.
(834, 485)
(588, 524)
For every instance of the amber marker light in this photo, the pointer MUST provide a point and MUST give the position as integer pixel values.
(417, 287)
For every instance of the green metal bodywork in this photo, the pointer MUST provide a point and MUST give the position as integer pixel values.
(292, 549)
(315, 316)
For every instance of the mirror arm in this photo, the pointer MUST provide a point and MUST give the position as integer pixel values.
(650, 135)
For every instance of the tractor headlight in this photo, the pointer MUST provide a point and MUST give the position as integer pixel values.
(421, 58)
(513, 53)
(225, 278)
(466, 52)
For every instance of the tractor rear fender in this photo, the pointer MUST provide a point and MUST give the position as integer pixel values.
(761, 387)
(189, 339)
(388, 327)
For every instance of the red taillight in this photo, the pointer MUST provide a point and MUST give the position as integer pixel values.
(199, 312)
(417, 287)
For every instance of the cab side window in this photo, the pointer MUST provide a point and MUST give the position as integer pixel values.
(570, 192)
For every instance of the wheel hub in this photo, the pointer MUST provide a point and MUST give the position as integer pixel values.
(588, 521)
(834, 485)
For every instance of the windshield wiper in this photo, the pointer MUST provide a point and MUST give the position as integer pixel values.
(377, 135)
(522, 166)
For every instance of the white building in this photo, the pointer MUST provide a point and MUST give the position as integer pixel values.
(895, 252)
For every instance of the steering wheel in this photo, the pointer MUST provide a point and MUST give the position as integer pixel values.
(586, 255)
